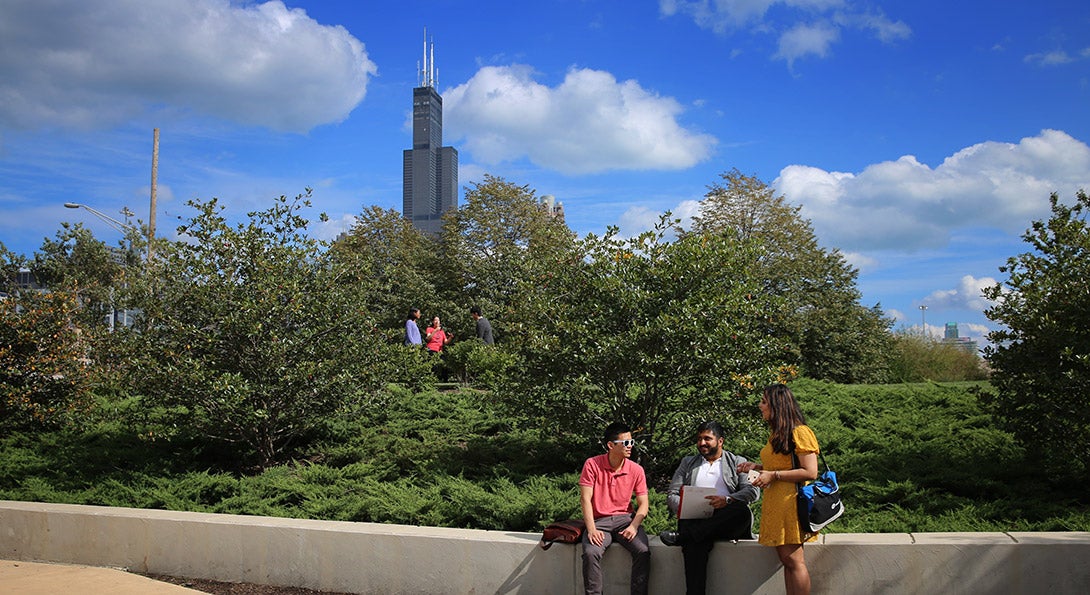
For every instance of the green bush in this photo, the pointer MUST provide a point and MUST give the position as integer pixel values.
(474, 363)
(911, 457)
(917, 358)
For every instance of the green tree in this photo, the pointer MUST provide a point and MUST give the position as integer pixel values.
(44, 372)
(397, 261)
(493, 248)
(837, 338)
(94, 273)
(400, 260)
(659, 334)
(919, 358)
(255, 334)
(1041, 359)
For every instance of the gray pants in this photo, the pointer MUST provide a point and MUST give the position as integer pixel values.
(638, 547)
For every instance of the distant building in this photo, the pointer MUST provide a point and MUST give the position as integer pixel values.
(24, 281)
(951, 337)
(430, 182)
(553, 207)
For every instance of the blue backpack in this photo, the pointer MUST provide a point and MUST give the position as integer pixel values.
(819, 501)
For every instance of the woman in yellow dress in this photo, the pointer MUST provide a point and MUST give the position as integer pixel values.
(779, 476)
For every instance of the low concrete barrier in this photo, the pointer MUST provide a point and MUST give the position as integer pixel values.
(377, 558)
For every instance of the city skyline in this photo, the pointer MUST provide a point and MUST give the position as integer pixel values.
(920, 140)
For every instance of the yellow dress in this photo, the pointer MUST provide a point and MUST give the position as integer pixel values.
(779, 517)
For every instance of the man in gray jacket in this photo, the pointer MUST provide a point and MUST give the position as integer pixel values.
(715, 468)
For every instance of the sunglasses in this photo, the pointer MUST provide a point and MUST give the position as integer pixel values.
(626, 443)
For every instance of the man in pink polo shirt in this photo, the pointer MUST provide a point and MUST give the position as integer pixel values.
(606, 487)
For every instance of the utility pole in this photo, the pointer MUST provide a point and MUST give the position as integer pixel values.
(154, 181)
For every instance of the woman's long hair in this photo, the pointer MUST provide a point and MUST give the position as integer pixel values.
(784, 416)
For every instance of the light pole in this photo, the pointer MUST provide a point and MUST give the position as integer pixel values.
(923, 320)
(119, 226)
(114, 223)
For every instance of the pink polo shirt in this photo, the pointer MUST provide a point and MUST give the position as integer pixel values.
(612, 491)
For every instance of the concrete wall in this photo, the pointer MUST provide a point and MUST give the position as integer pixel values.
(376, 558)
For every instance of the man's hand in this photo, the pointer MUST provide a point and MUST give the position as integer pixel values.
(629, 532)
(596, 537)
(717, 501)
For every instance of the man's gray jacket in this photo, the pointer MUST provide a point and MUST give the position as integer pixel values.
(737, 483)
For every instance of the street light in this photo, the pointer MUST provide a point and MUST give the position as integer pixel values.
(923, 320)
(114, 223)
(119, 226)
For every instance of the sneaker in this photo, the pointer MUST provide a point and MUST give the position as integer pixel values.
(669, 537)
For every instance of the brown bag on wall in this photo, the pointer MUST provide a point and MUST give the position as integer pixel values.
(567, 531)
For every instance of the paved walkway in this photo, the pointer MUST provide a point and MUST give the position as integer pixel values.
(34, 578)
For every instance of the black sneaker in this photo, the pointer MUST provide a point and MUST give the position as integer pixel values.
(669, 537)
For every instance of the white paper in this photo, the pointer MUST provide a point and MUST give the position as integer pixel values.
(694, 503)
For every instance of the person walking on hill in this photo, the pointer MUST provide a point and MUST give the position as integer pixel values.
(412, 330)
(484, 328)
(789, 435)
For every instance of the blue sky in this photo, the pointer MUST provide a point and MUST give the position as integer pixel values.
(920, 138)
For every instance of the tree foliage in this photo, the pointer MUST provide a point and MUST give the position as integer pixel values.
(836, 337)
(399, 260)
(919, 358)
(93, 272)
(254, 334)
(656, 333)
(48, 335)
(494, 247)
(1041, 359)
(44, 372)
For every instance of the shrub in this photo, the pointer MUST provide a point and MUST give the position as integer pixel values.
(917, 358)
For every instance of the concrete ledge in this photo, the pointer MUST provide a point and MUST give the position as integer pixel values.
(377, 558)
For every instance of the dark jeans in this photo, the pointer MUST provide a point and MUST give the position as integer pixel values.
(638, 547)
(698, 536)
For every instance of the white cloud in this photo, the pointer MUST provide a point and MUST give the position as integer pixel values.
(802, 40)
(967, 295)
(333, 227)
(861, 262)
(92, 64)
(805, 27)
(469, 173)
(588, 123)
(1056, 57)
(879, 24)
(637, 220)
(725, 15)
(970, 329)
(685, 211)
(906, 204)
(1052, 58)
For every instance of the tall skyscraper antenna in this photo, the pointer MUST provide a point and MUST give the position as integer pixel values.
(429, 74)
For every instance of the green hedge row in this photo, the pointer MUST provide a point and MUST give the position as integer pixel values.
(913, 457)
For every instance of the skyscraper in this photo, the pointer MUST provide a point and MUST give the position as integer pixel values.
(430, 185)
